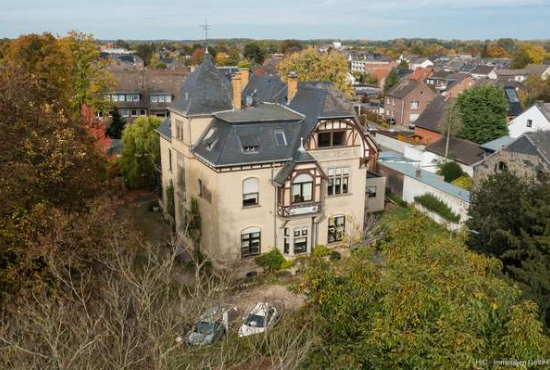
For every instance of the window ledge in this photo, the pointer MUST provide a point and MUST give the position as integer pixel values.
(339, 195)
(252, 206)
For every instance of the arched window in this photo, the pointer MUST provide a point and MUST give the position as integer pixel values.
(251, 192)
(302, 189)
(251, 238)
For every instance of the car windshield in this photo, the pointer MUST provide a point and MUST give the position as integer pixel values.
(255, 321)
(204, 327)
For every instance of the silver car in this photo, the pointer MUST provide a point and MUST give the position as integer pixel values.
(210, 326)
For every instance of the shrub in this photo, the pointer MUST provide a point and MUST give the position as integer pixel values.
(335, 256)
(287, 264)
(436, 205)
(320, 251)
(271, 261)
(450, 171)
(464, 182)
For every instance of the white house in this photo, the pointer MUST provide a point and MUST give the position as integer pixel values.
(535, 118)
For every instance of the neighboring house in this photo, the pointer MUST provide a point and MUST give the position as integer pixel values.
(466, 153)
(416, 63)
(287, 169)
(407, 100)
(145, 92)
(527, 156)
(483, 71)
(520, 75)
(457, 83)
(421, 74)
(535, 118)
(407, 180)
(428, 125)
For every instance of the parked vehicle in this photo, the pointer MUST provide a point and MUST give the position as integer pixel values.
(210, 326)
(259, 320)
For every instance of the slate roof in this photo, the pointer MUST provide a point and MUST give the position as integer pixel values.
(165, 129)
(545, 109)
(256, 125)
(541, 142)
(224, 145)
(403, 88)
(261, 113)
(265, 88)
(432, 117)
(206, 90)
(462, 151)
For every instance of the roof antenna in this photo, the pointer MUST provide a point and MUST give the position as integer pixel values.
(206, 27)
(301, 149)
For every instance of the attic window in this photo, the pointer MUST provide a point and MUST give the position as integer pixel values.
(210, 133)
(250, 149)
(280, 138)
(210, 145)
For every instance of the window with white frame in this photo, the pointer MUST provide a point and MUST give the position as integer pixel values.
(126, 113)
(302, 189)
(251, 192)
(251, 242)
(338, 180)
(413, 117)
(415, 104)
(300, 240)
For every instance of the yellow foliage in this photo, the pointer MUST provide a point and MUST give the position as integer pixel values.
(310, 65)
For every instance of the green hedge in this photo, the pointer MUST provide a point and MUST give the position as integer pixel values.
(436, 205)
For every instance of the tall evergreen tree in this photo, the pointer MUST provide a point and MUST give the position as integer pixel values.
(483, 111)
(117, 125)
(510, 219)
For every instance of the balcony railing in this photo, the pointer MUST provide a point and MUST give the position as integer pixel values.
(299, 209)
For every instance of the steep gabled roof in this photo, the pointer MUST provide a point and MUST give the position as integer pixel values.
(403, 88)
(432, 117)
(165, 129)
(205, 91)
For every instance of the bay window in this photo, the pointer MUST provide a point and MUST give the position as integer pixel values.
(302, 189)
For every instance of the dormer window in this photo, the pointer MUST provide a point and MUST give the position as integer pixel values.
(280, 138)
(210, 145)
(210, 133)
(331, 138)
(161, 98)
(250, 149)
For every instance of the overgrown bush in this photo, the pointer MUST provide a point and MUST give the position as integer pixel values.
(287, 264)
(320, 251)
(271, 261)
(463, 182)
(335, 256)
(450, 171)
(434, 204)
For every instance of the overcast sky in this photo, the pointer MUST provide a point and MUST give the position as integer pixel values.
(302, 19)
